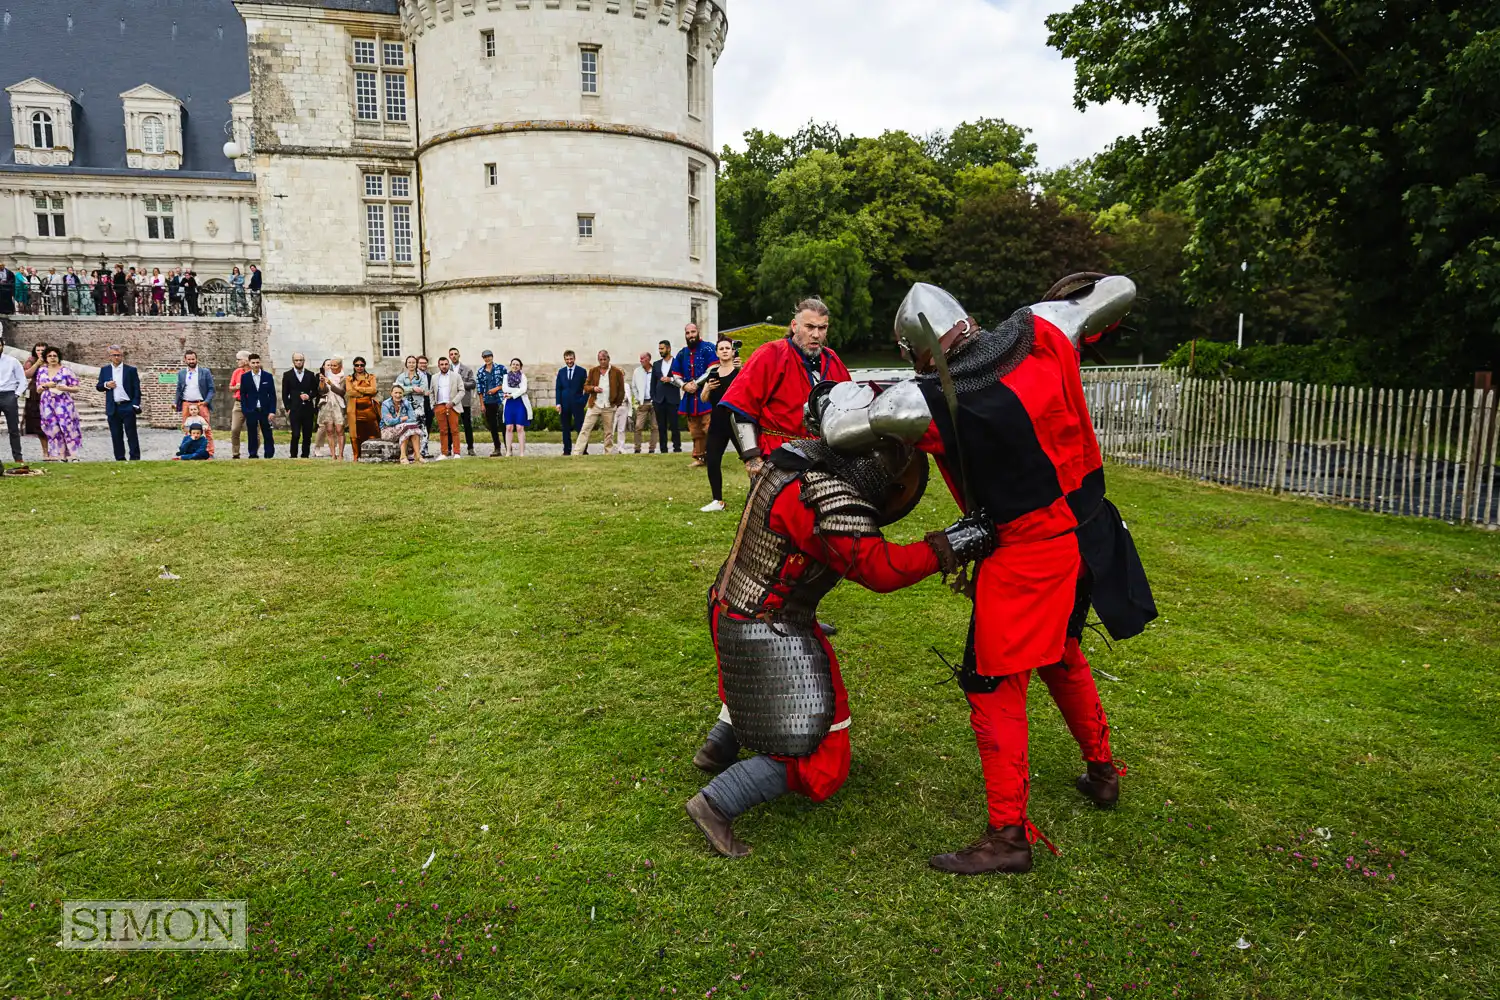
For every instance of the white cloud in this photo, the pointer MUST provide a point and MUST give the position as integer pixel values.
(918, 65)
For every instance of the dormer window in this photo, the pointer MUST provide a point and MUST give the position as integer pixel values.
(41, 130)
(153, 129)
(41, 123)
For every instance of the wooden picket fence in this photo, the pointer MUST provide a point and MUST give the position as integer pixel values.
(1422, 453)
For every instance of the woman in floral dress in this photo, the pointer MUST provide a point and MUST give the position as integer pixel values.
(56, 384)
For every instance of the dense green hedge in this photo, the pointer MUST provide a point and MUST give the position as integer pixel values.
(1327, 362)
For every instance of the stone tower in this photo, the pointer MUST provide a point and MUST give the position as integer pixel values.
(520, 175)
(566, 164)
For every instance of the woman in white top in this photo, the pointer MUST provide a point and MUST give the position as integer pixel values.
(331, 415)
(517, 415)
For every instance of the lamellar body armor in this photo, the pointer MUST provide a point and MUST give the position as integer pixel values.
(777, 681)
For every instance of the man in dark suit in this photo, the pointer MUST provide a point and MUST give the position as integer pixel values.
(121, 386)
(299, 394)
(665, 398)
(571, 399)
(258, 404)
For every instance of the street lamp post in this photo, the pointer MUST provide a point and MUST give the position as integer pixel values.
(1239, 341)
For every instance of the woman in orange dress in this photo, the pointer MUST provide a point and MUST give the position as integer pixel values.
(363, 396)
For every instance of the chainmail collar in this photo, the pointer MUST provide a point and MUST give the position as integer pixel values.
(866, 473)
(991, 355)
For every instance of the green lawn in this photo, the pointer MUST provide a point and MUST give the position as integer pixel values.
(360, 667)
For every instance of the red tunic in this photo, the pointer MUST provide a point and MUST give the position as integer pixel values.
(871, 562)
(773, 388)
(1027, 590)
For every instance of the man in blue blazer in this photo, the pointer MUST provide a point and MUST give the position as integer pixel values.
(571, 400)
(258, 404)
(195, 394)
(121, 385)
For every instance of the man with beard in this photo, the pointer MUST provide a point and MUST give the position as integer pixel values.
(689, 371)
(1022, 450)
(768, 398)
(813, 518)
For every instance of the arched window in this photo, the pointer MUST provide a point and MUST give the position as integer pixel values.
(153, 135)
(41, 130)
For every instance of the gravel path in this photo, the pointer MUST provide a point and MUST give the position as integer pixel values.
(161, 445)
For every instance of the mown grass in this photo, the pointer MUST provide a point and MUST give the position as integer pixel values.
(361, 667)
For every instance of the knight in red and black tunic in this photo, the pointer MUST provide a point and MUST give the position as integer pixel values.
(1034, 467)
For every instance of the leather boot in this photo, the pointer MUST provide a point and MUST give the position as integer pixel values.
(1001, 849)
(718, 828)
(714, 757)
(1100, 785)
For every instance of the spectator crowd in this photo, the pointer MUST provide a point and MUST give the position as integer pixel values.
(127, 292)
(333, 411)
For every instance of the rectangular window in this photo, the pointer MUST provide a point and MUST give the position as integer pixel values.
(585, 227)
(401, 233)
(53, 222)
(397, 210)
(159, 222)
(694, 102)
(488, 40)
(395, 54)
(364, 52)
(695, 211)
(589, 64)
(491, 175)
(395, 97)
(366, 97)
(390, 333)
(495, 316)
(375, 232)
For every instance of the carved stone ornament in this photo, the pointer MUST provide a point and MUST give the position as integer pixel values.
(212, 227)
(104, 226)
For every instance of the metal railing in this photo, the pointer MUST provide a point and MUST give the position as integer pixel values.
(88, 301)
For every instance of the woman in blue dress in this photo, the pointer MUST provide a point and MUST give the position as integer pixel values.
(517, 415)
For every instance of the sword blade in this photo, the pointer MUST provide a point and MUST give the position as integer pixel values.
(950, 396)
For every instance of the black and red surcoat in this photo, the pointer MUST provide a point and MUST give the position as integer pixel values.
(1033, 464)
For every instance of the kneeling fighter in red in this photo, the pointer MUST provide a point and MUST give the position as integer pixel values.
(1021, 448)
(813, 518)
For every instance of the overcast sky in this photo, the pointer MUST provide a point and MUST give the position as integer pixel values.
(872, 65)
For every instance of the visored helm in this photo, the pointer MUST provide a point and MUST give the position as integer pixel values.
(950, 322)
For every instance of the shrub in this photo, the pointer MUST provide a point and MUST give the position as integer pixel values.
(1326, 362)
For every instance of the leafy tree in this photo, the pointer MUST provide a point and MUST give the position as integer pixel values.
(1354, 134)
(987, 142)
(808, 197)
(974, 182)
(903, 203)
(1004, 250)
(834, 269)
(1077, 184)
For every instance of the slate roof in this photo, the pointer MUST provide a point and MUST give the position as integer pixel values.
(193, 49)
(363, 6)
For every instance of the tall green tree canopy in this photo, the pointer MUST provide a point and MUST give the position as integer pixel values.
(1363, 135)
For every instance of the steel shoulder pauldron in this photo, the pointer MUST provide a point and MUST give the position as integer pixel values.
(837, 508)
(855, 419)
